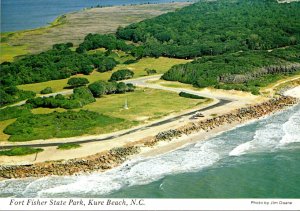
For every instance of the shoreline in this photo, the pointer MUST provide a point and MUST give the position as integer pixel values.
(162, 142)
(57, 19)
(74, 26)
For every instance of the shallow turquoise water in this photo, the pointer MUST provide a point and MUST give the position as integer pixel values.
(258, 160)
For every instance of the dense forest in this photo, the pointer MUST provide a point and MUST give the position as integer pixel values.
(242, 70)
(58, 63)
(214, 30)
(216, 27)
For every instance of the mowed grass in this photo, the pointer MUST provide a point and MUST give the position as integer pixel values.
(8, 52)
(173, 84)
(144, 104)
(161, 65)
(46, 110)
(3, 125)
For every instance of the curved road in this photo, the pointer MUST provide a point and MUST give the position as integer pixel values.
(142, 83)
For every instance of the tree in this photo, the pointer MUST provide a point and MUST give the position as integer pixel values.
(47, 90)
(150, 71)
(77, 81)
(121, 87)
(97, 89)
(130, 87)
(121, 75)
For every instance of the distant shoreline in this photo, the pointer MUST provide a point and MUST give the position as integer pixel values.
(58, 16)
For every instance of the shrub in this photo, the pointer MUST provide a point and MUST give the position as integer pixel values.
(188, 95)
(12, 94)
(80, 97)
(13, 112)
(77, 81)
(58, 124)
(130, 61)
(97, 88)
(106, 64)
(67, 146)
(121, 75)
(47, 90)
(19, 151)
(150, 71)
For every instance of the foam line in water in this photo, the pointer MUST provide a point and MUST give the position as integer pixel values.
(273, 133)
(263, 135)
(291, 129)
(138, 172)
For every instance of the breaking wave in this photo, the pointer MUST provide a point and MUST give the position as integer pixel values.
(264, 135)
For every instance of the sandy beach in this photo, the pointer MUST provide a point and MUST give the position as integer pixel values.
(52, 153)
(100, 156)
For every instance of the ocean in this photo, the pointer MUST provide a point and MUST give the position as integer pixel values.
(30, 14)
(260, 159)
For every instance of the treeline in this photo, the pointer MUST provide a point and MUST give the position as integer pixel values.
(110, 42)
(216, 27)
(11, 94)
(100, 88)
(81, 96)
(232, 71)
(57, 63)
(78, 99)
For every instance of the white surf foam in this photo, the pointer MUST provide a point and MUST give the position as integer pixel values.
(273, 133)
(138, 172)
(267, 135)
(291, 130)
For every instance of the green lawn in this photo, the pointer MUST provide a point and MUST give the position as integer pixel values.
(161, 64)
(8, 52)
(144, 104)
(3, 125)
(174, 84)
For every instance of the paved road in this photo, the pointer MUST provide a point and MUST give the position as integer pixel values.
(141, 82)
(220, 103)
(65, 92)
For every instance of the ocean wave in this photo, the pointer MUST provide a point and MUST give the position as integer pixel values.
(263, 135)
(138, 172)
(291, 130)
(273, 133)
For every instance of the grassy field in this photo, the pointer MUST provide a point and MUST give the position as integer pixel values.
(3, 125)
(173, 84)
(8, 52)
(160, 64)
(73, 27)
(46, 110)
(144, 104)
(60, 125)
